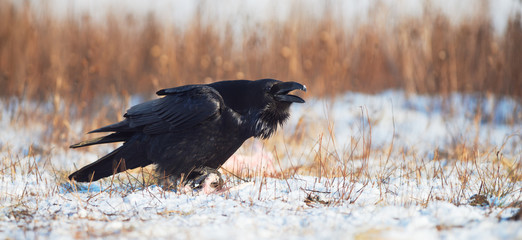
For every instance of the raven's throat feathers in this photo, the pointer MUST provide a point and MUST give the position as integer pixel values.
(267, 121)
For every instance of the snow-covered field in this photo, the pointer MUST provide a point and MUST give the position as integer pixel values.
(386, 166)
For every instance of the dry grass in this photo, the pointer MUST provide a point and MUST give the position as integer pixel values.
(79, 59)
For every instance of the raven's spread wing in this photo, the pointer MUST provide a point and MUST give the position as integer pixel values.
(181, 108)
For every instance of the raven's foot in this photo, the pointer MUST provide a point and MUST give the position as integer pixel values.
(168, 183)
(208, 181)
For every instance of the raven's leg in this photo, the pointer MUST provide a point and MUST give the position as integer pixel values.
(207, 179)
(168, 182)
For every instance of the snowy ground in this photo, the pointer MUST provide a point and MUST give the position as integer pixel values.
(396, 167)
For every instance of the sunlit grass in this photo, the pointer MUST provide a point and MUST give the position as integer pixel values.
(81, 60)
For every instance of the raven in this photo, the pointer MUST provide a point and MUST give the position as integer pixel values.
(193, 129)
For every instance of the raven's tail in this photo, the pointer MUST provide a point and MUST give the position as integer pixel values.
(114, 137)
(128, 156)
(104, 167)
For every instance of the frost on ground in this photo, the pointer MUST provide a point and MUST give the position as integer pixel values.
(359, 166)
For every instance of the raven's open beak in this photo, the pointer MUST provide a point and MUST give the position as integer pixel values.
(281, 90)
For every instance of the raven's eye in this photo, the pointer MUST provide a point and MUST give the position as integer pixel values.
(273, 89)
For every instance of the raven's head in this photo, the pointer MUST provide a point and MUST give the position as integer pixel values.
(263, 104)
(276, 103)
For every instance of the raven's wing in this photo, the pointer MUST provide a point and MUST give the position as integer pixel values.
(181, 108)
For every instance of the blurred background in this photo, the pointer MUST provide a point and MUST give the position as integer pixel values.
(84, 53)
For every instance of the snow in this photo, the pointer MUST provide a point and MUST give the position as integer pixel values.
(414, 195)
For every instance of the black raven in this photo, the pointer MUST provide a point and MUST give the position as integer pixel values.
(192, 128)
